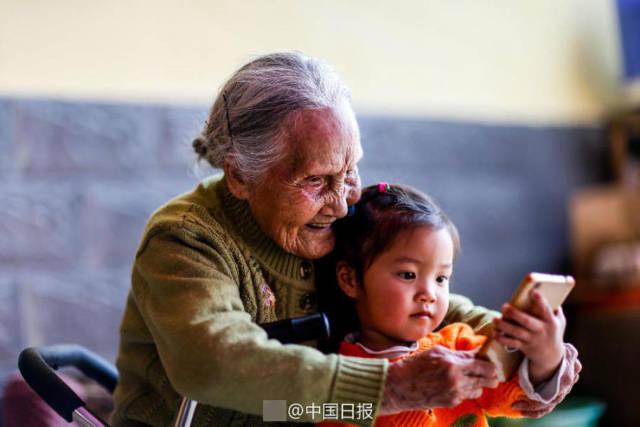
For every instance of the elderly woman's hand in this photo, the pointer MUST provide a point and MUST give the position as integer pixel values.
(436, 378)
(570, 376)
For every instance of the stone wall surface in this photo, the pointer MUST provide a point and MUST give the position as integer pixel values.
(78, 181)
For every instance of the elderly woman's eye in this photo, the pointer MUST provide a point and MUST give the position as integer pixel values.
(352, 173)
(315, 181)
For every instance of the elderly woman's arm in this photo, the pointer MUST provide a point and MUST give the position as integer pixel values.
(187, 293)
(462, 310)
(439, 377)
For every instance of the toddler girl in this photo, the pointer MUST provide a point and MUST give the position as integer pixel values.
(394, 260)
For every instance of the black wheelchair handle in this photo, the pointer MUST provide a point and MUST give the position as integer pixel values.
(37, 364)
(298, 329)
(37, 368)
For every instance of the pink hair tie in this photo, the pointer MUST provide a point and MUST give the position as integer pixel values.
(384, 187)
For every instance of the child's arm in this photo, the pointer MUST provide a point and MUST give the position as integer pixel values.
(566, 381)
(538, 335)
(462, 310)
(500, 401)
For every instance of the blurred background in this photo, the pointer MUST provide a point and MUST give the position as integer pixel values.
(520, 118)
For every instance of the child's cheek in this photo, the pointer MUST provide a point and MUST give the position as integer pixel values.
(397, 302)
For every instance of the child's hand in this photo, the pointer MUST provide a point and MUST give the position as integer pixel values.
(538, 335)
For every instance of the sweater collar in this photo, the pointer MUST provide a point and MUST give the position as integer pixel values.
(268, 252)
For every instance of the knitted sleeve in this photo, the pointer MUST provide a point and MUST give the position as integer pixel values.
(461, 309)
(187, 292)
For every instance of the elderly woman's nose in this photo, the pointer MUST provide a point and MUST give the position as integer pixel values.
(337, 204)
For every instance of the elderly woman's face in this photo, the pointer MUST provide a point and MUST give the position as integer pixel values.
(312, 186)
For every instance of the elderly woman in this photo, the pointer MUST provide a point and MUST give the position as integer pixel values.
(239, 250)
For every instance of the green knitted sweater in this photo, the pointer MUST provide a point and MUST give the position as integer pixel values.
(204, 275)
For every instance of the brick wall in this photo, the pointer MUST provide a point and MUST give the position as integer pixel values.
(77, 184)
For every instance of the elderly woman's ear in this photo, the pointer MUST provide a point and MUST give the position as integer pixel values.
(238, 185)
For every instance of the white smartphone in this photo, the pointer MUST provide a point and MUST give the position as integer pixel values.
(554, 288)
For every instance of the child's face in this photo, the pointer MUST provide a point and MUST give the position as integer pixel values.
(406, 289)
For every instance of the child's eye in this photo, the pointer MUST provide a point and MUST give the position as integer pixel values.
(407, 275)
(443, 280)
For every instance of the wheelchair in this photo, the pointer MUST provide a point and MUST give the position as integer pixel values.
(38, 364)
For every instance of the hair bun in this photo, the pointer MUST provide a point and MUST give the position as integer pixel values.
(200, 146)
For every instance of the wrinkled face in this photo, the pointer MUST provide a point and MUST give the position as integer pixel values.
(406, 290)
(300, 197)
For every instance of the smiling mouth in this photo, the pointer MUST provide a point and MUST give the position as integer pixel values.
(319, 226)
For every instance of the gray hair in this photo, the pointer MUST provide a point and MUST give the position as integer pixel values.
(248, 116)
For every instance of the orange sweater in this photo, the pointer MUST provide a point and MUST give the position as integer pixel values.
(470, 413)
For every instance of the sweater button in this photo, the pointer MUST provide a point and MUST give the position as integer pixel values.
(308, 301)
(306, 270)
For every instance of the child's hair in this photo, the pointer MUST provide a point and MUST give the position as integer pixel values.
(383, 212)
